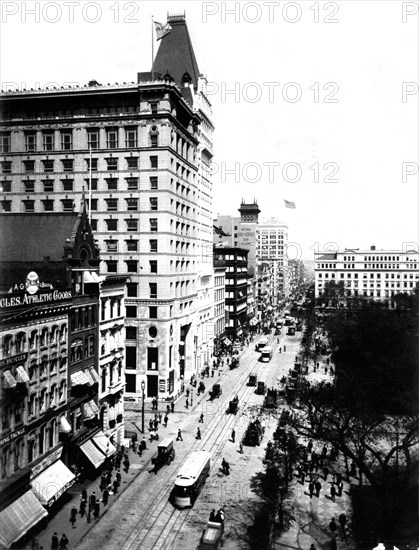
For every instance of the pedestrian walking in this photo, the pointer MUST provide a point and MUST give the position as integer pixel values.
(63, 541)
(73, 516)
(187, 392)
(198, 433)
(212, 373)
(233, 435)
(285, 348)
(102, 482)
(311, 488)
(332, 526)
(150, 424)
(318, 486)
(179, 435)
(342, 521)
(118, 477)
(333, 492)
(212, 516)
(92, 499)
(241, 447)
(187, 403)
(54, 541)
(227, 468)
(172, 407)
(340, 488)
(143, 444)
(325, 472)
(115, 486)
(105, 497)
(279, 349)
(82, 507)
(201, 418)
(96, 509)
(223, 465)
(303, 475)
(160, 417)
(126, 463)
(165, 420)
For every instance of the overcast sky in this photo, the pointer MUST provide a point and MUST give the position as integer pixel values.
(318, 116)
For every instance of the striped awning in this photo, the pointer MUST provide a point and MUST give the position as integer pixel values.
(101, 441)
(88, 413)
(89, 377)
(94, 407)
(10, 382)
(22, 375)
(64, 425)
(94, 375)
(95, 456)
(19, 517)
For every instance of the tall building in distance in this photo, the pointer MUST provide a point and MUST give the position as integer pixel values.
(142, 152)
(376, 274)
(272, 248)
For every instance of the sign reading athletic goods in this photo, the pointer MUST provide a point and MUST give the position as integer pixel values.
(9, 301)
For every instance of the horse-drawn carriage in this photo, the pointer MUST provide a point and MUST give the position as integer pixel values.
(216, 391)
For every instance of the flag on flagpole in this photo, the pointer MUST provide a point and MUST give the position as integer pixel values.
(289, 204)
(161, 30)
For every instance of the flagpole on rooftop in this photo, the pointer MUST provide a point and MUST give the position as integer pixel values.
(152, 47)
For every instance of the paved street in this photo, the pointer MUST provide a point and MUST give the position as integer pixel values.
(140, 516)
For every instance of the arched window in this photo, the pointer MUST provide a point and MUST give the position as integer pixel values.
(63, 333)
(44, 337)
(33, 340)
(103, 378)
(7, 344)
(54, 335)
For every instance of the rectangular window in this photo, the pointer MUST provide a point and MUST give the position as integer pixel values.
(112, 138)
(132, 204)
(154, 161)
(67, 185)
(48, 205)
(92, 203)
(94, 165)
(91, 183)
(93, 223)
(29, 166)
(132, 290)
(153, 245)
(154, 140)
(132, 245)
(153, 225)
(131, 357)
(67, 165)
(132, 184)
(112, 225)
(152, 358)
(111, 246)
(112, 183)
(153, 290)
(93, 138)
(112, 266)
(6, 206)
(131, 383)
(48, 141)
(48, 165)
(132, 225)
(131, 137)
(154, 182)
(131, 333)
(6, 166)
(112, 204)
(29, 206)
(152, 312)
(48, 186)
(132, 163)
(131, 312)
(5, 142)
(68, 205)
(153, 266)
(112, 164)
(132, 266)
(6, 186)
(66, 140)
(30, 141)
(154, 203)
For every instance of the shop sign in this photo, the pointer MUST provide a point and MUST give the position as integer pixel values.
(50, 459)
(10, 361)
(10, 300)
(12, 436)
(162, 385)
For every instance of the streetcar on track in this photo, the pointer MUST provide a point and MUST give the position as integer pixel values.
(261, 343)
(191, 478)
(266, 354)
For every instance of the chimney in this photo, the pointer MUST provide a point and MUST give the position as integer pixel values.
(373, 247)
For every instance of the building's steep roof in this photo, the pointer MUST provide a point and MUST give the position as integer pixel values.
(175, 55)
(331, 256)
(33, 237)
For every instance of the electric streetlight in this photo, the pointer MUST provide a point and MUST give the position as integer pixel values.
(142, 419)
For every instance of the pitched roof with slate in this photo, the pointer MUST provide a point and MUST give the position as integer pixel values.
(33, 237)
(175, 55)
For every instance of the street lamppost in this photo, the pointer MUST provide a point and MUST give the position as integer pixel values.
(142, 418)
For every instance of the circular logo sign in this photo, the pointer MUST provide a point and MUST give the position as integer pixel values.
(32, 282)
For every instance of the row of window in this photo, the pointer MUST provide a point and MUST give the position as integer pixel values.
(65, 139)
(365, 275)
(18, 343)
(112, 164)
(50, 186)
(47, 367)
(82, 349)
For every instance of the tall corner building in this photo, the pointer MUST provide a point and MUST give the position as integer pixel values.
(272, 248)
(142, 152)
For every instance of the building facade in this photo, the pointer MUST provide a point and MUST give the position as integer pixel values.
(272, 248)
(376, 274)
(142, 153)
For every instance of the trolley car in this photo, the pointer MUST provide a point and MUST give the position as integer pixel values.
(191, 478)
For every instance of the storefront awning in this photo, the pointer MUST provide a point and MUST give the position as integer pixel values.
(52, 482)
(78, 379)
(94, 375)
(93, 406)
(64, 425)
(104, 444)
(91, 277)
(93, 454)
(22, 375)
(89, 377)
(19, 517)
(10, 382)
(227, 342)
(88, 413)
